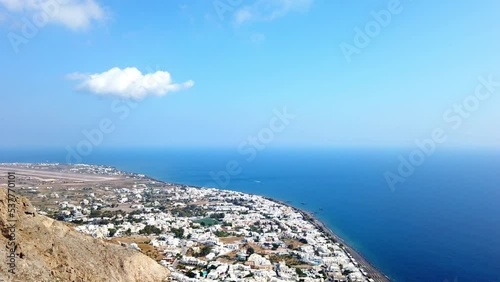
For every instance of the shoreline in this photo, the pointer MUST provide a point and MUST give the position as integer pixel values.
(372, 271)
(354, 256)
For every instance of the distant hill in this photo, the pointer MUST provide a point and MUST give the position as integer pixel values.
(49, 250)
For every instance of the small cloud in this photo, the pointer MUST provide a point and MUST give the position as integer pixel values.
(128, 83)
(76, 76)
(243, 15)
(73, 14)
(268, 10)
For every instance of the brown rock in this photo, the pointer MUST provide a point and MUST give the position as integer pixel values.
(49, 250)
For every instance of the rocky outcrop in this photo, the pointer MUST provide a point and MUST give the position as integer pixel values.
(49, 250)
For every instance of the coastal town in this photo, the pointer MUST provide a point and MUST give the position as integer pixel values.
(199, 234)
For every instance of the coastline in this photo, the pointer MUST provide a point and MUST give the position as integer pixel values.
(354, 256)
(372, 271)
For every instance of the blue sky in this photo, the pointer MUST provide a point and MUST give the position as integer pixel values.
(230, 73)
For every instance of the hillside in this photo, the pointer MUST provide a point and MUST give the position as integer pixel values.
(49, 250)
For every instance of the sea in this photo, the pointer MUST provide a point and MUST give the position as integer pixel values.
(440, 222)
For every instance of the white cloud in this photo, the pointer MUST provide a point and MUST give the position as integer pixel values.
(74, 14)
(268, 10)
(129, 83)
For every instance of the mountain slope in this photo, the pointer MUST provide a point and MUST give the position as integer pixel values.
(49, 250)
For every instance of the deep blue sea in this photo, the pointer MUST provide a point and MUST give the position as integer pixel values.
(442, 224)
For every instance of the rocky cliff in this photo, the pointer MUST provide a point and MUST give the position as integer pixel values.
(49, 250)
